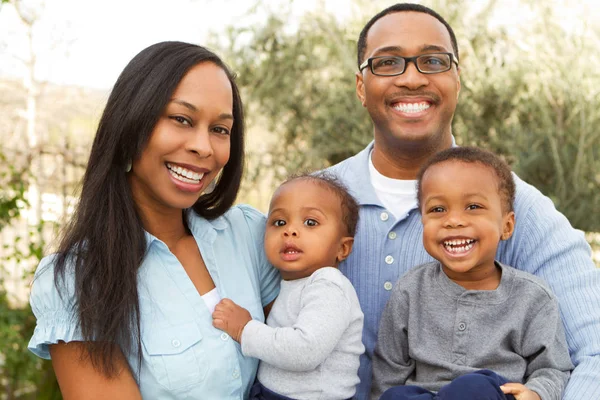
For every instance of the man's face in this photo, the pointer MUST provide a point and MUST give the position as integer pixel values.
(412, 108)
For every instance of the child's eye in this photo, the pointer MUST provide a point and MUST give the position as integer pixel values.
(278, 222)
(436, 210)
(310, 222)
(473, 206)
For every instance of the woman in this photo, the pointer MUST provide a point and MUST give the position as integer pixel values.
(124, 307)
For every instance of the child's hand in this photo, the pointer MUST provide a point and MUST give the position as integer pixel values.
(231, 318)
(519, 391)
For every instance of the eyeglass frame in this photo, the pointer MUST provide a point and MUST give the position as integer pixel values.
(369, 63)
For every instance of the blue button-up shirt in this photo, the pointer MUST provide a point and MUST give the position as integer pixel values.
(184, 356)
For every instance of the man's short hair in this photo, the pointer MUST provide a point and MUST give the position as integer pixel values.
(401, 7)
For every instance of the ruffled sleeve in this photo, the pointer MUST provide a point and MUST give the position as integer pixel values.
(56, 320)
(269, 277)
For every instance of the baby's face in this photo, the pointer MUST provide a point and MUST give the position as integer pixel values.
(462, 215)
(304, 229)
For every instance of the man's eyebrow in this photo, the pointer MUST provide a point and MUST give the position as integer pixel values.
(400, 49)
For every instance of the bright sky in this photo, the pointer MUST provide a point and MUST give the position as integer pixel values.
(103, 35)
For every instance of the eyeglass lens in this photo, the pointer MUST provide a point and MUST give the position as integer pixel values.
(427, 63)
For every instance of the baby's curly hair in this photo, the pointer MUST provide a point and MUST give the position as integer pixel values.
(506, 182)
(333, 184)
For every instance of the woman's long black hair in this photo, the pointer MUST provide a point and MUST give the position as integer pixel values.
(104, 243)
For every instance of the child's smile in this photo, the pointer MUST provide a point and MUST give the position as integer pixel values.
(463, 220)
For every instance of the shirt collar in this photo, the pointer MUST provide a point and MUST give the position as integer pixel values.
(201, 228)
(359, 179)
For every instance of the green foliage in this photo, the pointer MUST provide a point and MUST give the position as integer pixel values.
(22, 375)
(530, 95)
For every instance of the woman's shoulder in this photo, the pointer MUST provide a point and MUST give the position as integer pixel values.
(233, 221)
(44, 291)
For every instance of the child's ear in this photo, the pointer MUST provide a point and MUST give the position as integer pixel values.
(345, 248)
(508, 225)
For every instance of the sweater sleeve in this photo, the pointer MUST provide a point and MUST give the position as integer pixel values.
(546, 245)
(392, 364)
(323, 318)
(545, 347)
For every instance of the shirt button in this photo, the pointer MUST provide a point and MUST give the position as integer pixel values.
(224, 336)
(236, 373)
(389, 259)
(462, 326)
(392, 235)
(175, 343)
(384, 216)
(388, 286)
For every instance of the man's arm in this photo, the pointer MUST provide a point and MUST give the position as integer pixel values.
(546, 245)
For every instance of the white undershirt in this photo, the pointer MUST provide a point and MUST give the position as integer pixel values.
(398, 196)
(211, 299)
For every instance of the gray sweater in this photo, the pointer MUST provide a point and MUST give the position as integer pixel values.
(433, 330)
(311, 345)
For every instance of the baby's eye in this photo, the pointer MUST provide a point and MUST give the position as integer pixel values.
(437, 209)
(278, 222)
(310, 222)
(473, 206)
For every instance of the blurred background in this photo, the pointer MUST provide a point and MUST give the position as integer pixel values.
(530, 73)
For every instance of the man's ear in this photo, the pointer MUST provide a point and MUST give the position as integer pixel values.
(345, 248)
(508, 225)
(457, 82)
(360, 88)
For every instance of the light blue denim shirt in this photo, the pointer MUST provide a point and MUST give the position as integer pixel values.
(184, 356)
(543, 243)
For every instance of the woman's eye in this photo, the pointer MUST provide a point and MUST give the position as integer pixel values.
(182, 120)
(310, 222)
(278, 222)
(221, 130)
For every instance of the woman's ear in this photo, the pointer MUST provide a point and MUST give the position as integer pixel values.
(345, 248)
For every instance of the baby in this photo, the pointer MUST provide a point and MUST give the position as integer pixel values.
(466, 326)
(311, 344)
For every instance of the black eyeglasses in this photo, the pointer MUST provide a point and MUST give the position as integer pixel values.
(432, 63)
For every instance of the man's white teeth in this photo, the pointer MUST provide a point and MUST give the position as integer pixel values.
(184, 175)
(412, 107)
(459, 246)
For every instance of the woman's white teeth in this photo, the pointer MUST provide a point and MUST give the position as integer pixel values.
(459, 246)
(411, 107)
(184, 175)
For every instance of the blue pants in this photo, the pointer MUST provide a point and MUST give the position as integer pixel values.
(259, 392)
(479, 385)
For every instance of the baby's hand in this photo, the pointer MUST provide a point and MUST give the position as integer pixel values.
(520, 391)
(231, 318)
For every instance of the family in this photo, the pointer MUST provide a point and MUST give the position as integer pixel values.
(416, 269)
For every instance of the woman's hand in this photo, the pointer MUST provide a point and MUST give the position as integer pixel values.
(519, 391)
(231, 318)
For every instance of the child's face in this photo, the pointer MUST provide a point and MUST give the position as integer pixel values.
(304, 230)
(463, 218)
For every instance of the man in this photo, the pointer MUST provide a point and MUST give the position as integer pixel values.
(409, 82)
